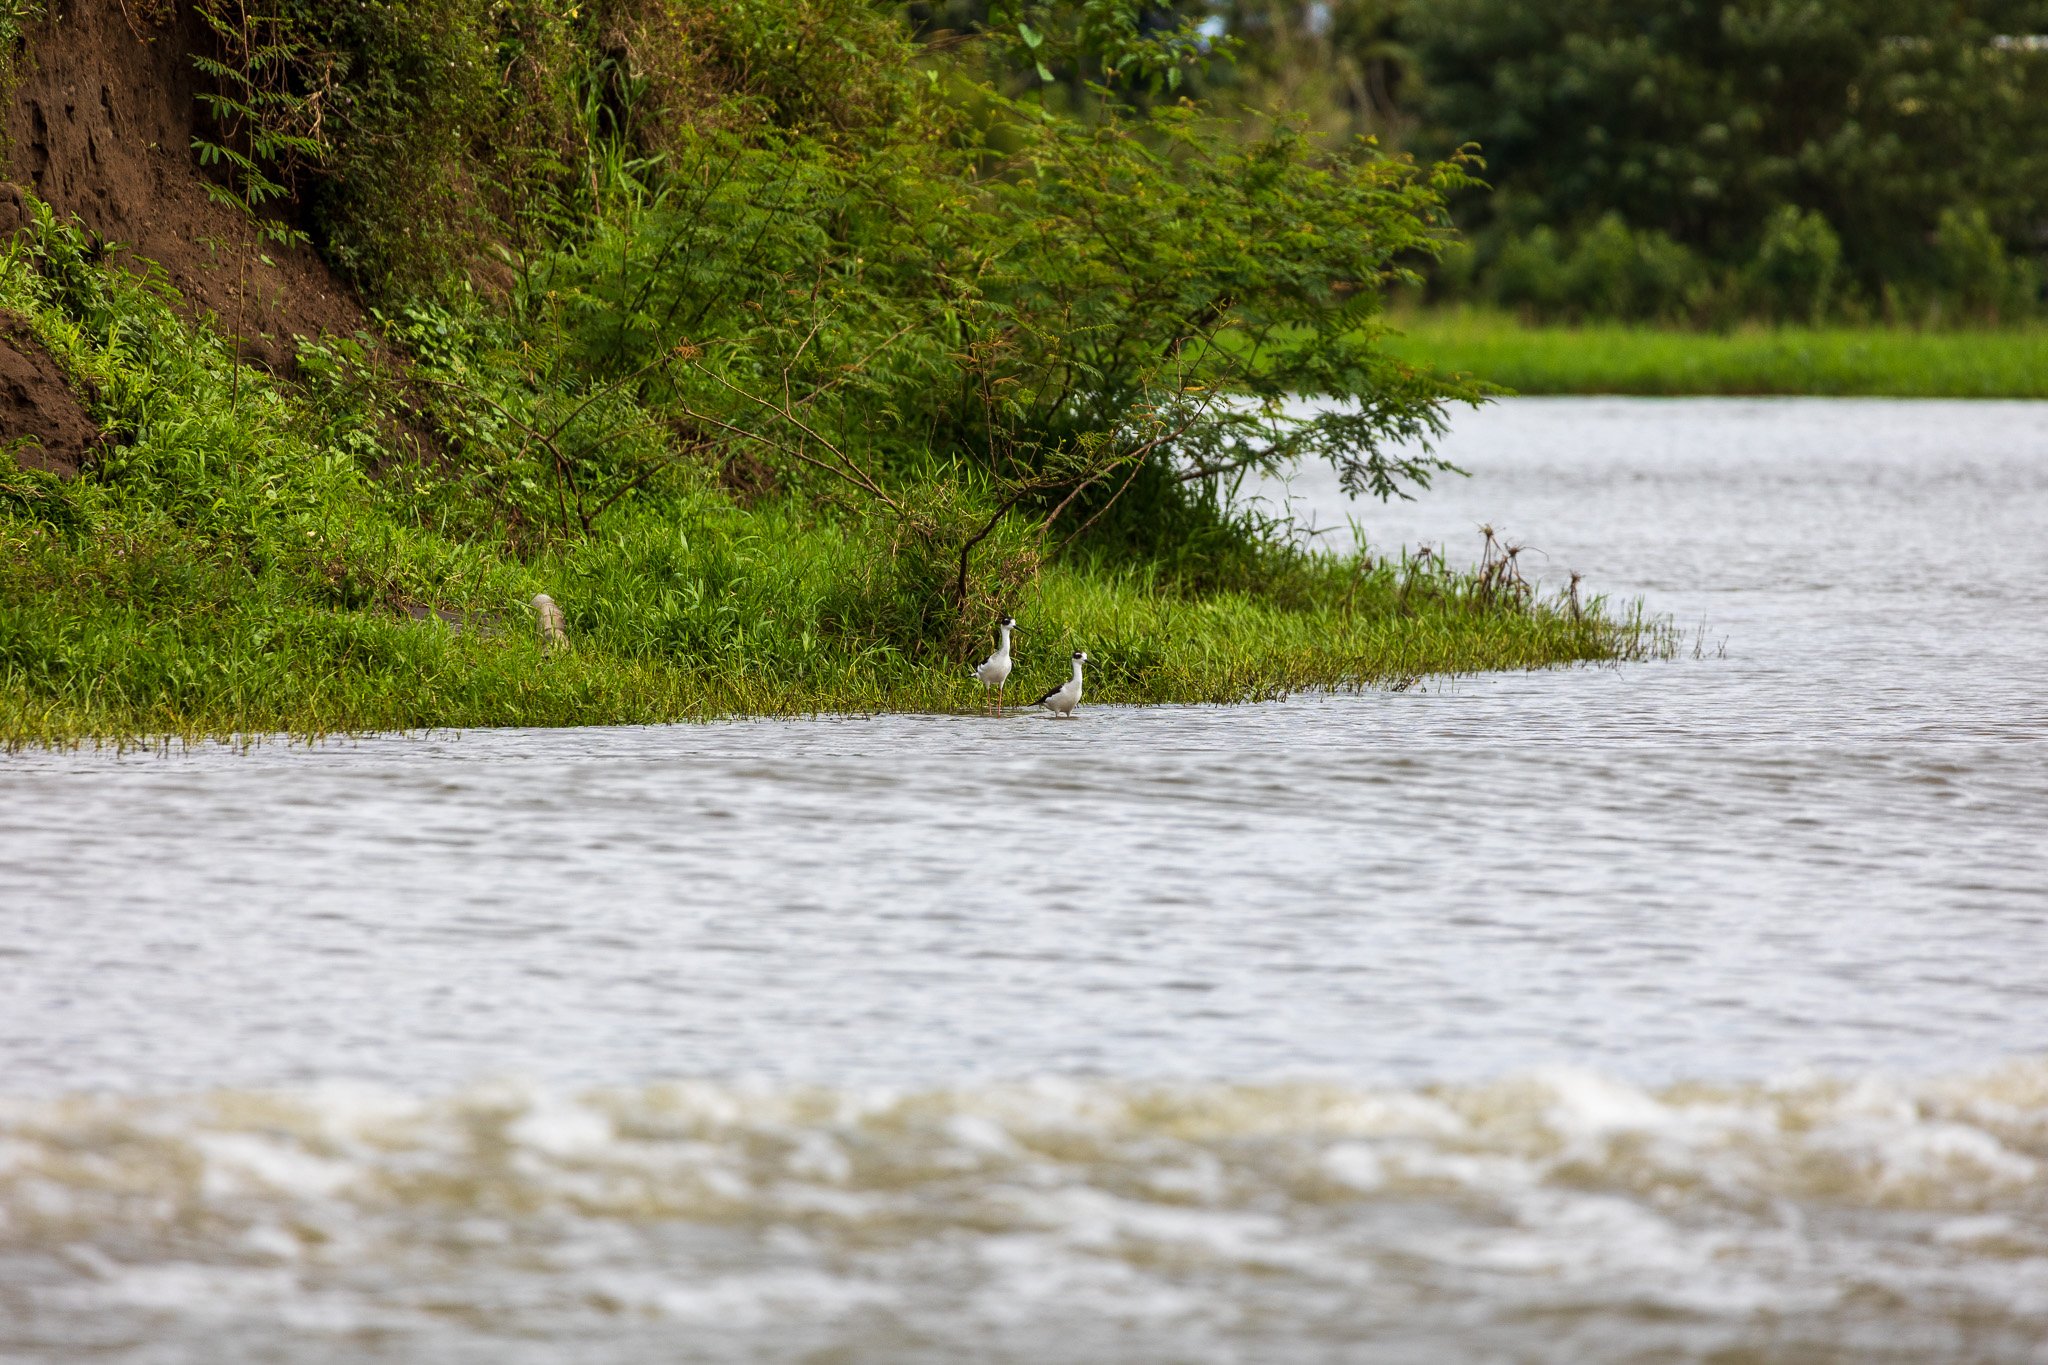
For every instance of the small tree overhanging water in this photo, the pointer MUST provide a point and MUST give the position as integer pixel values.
(934, 262)
(975, 293)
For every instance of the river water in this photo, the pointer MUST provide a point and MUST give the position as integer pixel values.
(1685, 1011)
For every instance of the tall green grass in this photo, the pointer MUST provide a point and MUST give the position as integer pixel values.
(1627, 358)
(710, 615)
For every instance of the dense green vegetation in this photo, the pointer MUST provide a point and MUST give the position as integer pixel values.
(783, 352)
(1617, 357)
(1865, 158)
(1690, 162)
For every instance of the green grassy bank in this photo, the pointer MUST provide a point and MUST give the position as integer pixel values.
(236, 562)
(783, 351)
(1632, 359)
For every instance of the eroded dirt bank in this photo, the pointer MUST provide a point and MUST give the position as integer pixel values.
(100, 125)
(40, 415)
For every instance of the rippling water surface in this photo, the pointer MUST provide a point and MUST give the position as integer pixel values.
(1682, 1011)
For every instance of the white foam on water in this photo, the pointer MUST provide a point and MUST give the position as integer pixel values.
(1355, 1164)
(561, 1129)
(738, 1301)
(243, 1163)
(1176, 1221)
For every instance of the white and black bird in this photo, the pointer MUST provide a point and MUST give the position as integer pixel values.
(994, 671)
(1062, 700)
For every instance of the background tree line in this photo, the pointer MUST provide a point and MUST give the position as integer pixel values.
(1684, 160)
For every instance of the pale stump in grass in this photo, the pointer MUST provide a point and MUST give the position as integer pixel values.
(548, 622)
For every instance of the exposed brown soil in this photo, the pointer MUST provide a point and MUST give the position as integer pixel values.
(100, 126)
(37, 406)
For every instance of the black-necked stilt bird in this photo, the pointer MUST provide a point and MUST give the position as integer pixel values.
(994, 671)
(1062, 700)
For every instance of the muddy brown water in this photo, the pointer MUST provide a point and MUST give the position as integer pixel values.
(1694, 1010)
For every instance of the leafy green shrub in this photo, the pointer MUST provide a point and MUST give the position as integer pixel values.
(1978, 277)
(440, 121)
(454, 132)
(1796, 267)
(976, 313)
(1621, 272)
(1530, 274)
(1609, 271)
(836, 66)
(15, 18)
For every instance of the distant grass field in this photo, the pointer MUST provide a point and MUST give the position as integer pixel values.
(1628, 359)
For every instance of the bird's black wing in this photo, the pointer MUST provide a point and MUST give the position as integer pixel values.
(1049, 694)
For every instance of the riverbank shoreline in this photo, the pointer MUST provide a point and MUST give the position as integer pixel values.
(232, 556)
(1659, 641)
(1755, 361)
(438, 680)
(320, 501)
